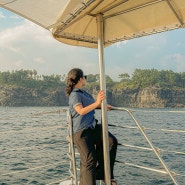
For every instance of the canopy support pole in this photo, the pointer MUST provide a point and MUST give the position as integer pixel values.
(100, 35)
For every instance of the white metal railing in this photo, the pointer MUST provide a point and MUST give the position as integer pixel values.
(149, 142)
(155, 150)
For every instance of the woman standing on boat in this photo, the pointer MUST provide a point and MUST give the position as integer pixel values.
(87, 133)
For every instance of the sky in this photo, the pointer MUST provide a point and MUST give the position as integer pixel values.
(25, 45)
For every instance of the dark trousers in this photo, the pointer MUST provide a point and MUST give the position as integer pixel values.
(89, 143)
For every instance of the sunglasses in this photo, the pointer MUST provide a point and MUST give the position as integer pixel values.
(85, 76)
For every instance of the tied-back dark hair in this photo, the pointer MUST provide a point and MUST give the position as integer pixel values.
(73, 77)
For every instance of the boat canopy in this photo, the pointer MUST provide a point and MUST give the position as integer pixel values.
(74, 22)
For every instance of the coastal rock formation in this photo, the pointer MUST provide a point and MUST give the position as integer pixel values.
(147, 97)
(19, 96)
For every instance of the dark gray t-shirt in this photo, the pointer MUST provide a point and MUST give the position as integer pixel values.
(80, 122)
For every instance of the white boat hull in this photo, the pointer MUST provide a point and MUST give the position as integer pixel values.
(67, 182)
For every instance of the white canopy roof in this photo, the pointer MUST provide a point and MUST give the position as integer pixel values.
(74, 21)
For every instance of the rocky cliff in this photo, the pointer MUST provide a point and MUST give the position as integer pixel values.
(147, 97)
(19, 96)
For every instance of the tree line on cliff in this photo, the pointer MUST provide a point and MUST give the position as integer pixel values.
(141, 78)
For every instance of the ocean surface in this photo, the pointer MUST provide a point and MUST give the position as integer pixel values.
(33, 145)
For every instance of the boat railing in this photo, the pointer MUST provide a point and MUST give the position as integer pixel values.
(71, 154)
(74, 156)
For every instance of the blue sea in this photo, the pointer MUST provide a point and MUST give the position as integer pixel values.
(33, 145)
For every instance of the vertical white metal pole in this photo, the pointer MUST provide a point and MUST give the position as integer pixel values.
(100, 32)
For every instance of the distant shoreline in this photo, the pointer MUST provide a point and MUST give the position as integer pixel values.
(13, 96)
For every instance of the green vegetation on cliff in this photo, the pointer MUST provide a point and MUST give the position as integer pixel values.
(141, 78)
(146, 88)
(30, 79)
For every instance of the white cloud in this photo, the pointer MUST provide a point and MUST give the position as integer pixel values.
(175, 62)
(120, 44)
(21, 43)
(39, 60)
(2, 16)
(18, 63)
(28, 46)
(14, 16)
